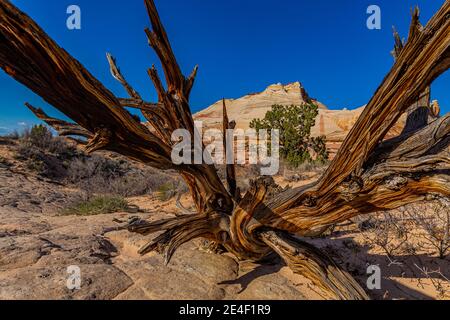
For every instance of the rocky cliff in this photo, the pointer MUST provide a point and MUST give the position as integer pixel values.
(334, 124)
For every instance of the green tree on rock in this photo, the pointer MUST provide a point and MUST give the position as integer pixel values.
(295, 124)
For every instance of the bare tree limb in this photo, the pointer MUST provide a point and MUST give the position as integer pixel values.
(63, 128)
(230, 168)
(305, 259)
(115, 72)
(424, 57)
(367, 175)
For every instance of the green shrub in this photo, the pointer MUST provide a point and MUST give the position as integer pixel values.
(40, 137)
(100, 175)
(45, 154)
(55, 158)
(166, 191)
(295, 124)
(98, 205)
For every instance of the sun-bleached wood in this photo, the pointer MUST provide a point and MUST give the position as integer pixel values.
(367, 174)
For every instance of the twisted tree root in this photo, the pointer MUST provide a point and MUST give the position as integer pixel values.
(306, 260)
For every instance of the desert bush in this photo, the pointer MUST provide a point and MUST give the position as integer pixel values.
(169, 190)
(40, 137)
(166, 192)
(44, 164)
(134, 183)
(94, 174)
(98, 205)
(294, 173)
(84, 169)
(434, 221)
(15, 135)
(45, 154)
(55, 158)
(9, 137)
(101, 175)
(423, 227)
(244, 174)
(438, 280)
(145, 181)
(386, 232)
(294, 124)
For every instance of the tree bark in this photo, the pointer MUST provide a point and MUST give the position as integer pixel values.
(31, 57)
(305, 259)
(367, 174)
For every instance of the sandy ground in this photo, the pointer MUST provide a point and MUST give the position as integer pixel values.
(37, 245)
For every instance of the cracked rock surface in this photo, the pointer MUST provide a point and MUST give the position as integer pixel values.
(39, 246)
(37, 249)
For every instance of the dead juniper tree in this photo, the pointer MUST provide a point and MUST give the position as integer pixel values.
(367, 175)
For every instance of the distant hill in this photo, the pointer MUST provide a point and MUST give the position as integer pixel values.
(334, 124)
(251, 106)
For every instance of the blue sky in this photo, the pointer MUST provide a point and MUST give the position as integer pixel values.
(241, 46)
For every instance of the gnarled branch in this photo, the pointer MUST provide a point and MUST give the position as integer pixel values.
(423, 58)
(367, 175)
(64, 129)
(230, 167)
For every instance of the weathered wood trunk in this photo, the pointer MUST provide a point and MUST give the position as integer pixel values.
(367, 174)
